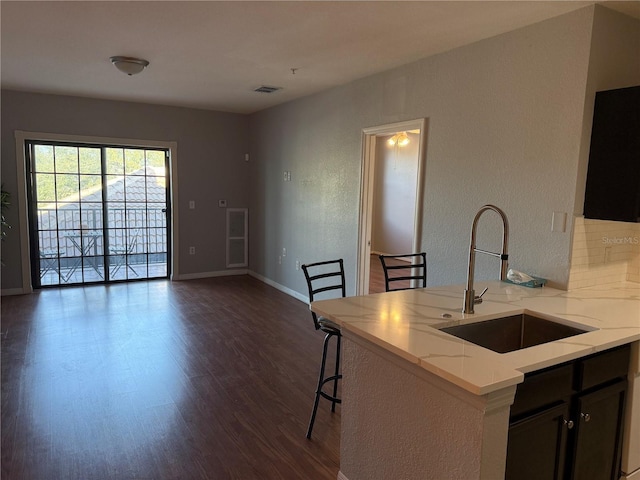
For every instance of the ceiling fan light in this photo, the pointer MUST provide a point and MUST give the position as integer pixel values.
(129, 65)
(400, 139)
(403, 139)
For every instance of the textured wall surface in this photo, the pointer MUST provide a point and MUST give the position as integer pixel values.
(397, 425)
(509, 121)
(613, 63)
(505, 123)
(615, 50)
(211, 147)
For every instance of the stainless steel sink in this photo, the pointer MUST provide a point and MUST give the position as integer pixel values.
(511, 333)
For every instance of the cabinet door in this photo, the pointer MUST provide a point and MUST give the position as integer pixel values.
(599, 433)
(613, 179)
(537, 445)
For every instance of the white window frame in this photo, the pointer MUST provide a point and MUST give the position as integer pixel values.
(23, 207)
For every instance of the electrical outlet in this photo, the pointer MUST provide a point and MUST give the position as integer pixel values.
(192, 204)
(284, 252)
(192, 250)
(279, 260)
(297, 264)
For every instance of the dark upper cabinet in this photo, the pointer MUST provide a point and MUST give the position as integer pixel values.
(613, 179)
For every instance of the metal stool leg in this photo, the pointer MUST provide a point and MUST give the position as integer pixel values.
(322, 380)
(336, 375)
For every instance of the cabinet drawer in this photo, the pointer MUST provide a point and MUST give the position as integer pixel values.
(602, 368)
(543, 388)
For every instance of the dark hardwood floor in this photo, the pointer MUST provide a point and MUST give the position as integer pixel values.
(201, 379)
(376, 274)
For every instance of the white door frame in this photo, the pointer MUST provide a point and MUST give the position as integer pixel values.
(23, 206)
(367, 191)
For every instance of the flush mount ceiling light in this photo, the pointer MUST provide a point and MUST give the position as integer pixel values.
(129, 65)
(401, 139)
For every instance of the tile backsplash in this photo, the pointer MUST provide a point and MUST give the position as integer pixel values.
(604, 252)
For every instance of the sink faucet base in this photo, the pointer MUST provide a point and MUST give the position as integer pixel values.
(469, 301)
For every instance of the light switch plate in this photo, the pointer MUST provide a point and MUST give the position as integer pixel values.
(559, 222)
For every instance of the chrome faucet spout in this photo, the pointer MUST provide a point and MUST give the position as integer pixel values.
(470, 298)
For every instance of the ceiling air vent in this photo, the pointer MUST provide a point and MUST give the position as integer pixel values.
(266, 89)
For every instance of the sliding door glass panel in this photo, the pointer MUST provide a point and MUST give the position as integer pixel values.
(90, 160)
(121, 239)
(137, 204)
(93, 208)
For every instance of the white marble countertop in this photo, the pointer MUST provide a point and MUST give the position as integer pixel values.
(405, 323)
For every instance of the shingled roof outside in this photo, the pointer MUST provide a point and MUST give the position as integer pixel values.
(135, 201)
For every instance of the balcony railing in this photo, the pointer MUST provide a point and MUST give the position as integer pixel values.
(73, 247)
(67, 230)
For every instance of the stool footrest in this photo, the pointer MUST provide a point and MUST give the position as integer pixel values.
(333, 378)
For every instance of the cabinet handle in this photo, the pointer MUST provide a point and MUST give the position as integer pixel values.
(586, 417)
(569, 424)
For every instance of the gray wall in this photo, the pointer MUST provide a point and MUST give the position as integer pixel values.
(509, 123)
(505, 124)
(211, 166)
(614, 63)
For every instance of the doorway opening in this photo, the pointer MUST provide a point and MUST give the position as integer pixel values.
(391, 196)
(97, 213)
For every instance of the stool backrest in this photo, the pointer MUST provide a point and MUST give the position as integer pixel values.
(324, 277)
(412, 266)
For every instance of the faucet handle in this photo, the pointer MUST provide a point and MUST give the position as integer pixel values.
(478, 298)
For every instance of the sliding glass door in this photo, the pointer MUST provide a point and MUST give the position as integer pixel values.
(98, 213)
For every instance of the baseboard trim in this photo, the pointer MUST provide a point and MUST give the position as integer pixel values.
(277, 286)
(186, 276)
(199, 275)
(342, 476)
(631, 476)
(13, 291)
(221, 273)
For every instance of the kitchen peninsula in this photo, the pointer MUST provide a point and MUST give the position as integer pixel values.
(419, 403)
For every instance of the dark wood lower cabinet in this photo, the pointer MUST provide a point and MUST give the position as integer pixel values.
(537, 445)
(599, 433)
(566, 421)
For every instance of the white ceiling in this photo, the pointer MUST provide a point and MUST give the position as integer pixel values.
(213, 54)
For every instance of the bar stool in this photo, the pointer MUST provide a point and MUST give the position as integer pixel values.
(323, 277)
(412, 267)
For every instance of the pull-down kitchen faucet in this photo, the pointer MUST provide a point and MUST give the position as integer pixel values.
(470, 298)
